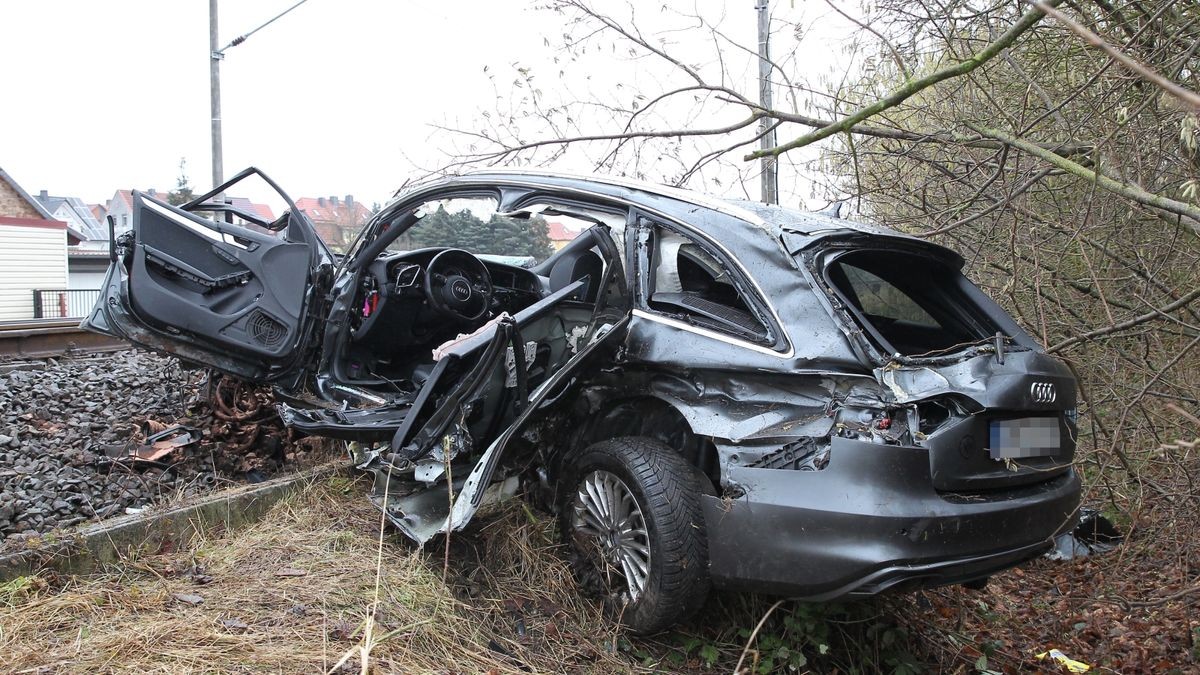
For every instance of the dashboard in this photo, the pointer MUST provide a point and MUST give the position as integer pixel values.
(392, 310)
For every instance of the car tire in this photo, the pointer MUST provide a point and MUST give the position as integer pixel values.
(652, 570)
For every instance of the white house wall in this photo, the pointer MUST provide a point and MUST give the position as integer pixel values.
(85, 281)
(67, 215)
(30, 257)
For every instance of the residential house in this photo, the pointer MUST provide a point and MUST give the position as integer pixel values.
(120, 207)
(561, 234)
(261, 210)
(76, 214)
(87, 261)
(100, 213)
(33, 252)
(337, 221)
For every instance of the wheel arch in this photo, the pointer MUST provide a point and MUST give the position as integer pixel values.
(653, 417)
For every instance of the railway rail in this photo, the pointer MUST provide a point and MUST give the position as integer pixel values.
(48, 338)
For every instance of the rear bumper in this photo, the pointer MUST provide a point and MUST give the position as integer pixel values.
(872, 521)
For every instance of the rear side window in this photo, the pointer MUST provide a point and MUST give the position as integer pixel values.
(689, 282)
(910, 304)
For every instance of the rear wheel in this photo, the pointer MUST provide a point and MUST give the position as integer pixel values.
(630, 510)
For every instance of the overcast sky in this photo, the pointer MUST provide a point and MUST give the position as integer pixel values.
(335, 98)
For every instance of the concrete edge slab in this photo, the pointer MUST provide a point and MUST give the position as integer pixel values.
(113, 540)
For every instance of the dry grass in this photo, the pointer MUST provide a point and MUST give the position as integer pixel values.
(506, 601)
(519, 610)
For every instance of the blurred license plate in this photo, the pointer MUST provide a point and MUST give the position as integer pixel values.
(1024, 437)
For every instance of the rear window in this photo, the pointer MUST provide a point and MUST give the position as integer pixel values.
(909, 304)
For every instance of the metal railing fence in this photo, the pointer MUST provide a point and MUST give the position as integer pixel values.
(60, 303)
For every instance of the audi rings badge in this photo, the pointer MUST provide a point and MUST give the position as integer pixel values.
(1043, 392)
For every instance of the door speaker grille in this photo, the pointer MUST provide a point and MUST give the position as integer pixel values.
(266, 330)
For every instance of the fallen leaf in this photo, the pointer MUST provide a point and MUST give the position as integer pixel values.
(290, 572)
(188, 598)
(234, 624)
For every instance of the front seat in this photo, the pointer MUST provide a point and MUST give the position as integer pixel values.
(578, 262)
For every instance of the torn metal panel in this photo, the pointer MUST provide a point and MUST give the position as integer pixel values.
(545, 396)
(985, 380)
(1095, 534)
(527, 355)
(741, 408)
(372, 424)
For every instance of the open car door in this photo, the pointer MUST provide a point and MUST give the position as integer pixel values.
(238, 298)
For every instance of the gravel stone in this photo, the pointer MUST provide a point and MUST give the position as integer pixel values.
(66, 429)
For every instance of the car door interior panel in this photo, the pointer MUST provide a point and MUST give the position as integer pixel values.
(240, 288)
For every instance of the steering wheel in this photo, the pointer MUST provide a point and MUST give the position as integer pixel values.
(458, 285)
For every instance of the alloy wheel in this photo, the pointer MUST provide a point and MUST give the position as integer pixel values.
(606, 512)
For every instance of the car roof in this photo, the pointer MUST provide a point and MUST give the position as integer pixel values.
(783, 230)
(761, 239)
(802, 228)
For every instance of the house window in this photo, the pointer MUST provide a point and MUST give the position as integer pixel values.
(687, 281)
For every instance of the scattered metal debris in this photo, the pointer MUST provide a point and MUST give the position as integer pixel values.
(158, 444)
(1094, 534)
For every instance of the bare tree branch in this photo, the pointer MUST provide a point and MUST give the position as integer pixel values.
(1064, 149)
(665, 133)
(900, 67)
(912, 87)
(1185, 95)
(1126, 325)
(1186, 211)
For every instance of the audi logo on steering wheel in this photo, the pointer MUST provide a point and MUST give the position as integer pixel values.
(1043, 392)
(461, 289)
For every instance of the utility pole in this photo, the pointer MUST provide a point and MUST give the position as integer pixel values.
(770, 179)
(214, 81)
(214, 86)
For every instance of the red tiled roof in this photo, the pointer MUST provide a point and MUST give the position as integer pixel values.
(560, 232)
(340, 213)
(125, 196)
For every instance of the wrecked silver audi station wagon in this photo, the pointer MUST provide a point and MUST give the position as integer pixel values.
(708, 393)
